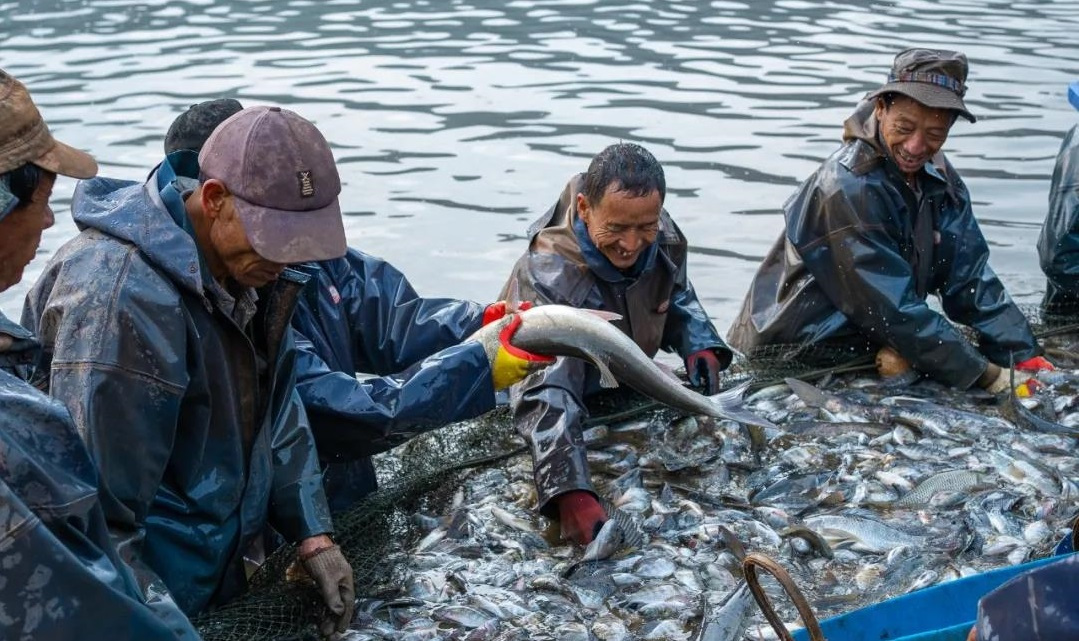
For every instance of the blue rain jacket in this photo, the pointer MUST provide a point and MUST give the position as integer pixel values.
(62, 578)
(360, 314)
(659, 310)
(193, 420)
(861, 253)
(1058, 245)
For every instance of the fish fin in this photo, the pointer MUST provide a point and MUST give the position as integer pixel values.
(604, 314)
(728, 404)
(606, 377)
(513, 296)
(809, 394)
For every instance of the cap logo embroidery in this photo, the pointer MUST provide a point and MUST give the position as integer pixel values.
(307, 183)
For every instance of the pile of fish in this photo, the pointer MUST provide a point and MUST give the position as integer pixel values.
(862, 491)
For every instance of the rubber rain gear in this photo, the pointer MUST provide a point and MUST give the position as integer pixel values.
(192, 416)
(659, 309)
(62, 578)
(1058, 245)
(360, 314)
(861, 252)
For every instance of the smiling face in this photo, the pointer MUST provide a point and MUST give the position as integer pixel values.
(621, 225)
(20, 231)
(912, 132)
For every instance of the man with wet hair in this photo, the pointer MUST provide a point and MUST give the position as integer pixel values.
(607, 244)
(166, 329)
(1058, 245)
(62, 577)
(883, 223)
(359, 313)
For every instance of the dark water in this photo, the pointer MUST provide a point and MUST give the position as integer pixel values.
(457, 123)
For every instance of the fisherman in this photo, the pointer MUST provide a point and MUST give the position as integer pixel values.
(166, 325)
(360, 314)
(884, 222)
(607, 244)
(62, 577)
(1058, 245)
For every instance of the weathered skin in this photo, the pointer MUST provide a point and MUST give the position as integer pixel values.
(560, 330)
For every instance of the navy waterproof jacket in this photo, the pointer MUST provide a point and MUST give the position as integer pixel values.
(193, 420)
(61, 578)
(359, 314)
(861, 253)
(1058, 245)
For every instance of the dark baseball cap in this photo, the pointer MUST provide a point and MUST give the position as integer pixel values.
(935, 78)
(191, 128)
(282, 174)
(25, 138)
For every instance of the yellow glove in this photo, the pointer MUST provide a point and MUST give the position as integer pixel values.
(509, 364)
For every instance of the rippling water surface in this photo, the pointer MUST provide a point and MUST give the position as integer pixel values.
(457, 123)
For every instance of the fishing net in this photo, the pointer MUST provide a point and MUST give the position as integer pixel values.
(423, 475)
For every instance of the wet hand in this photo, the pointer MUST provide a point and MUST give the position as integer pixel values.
(703, 369)
(1036, 364)
(498, 310)
(327, 566)
(581, 516)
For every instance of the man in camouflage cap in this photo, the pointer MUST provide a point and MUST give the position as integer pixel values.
(62, 577)
(883, 223)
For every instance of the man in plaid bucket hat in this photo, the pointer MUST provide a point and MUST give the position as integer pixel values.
(884, 222)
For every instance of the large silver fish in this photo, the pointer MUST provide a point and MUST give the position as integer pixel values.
(560, 330)
(728, 620)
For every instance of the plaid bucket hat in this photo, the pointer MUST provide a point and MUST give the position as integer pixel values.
(936, 78)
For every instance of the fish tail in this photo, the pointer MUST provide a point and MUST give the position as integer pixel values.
(728, 404)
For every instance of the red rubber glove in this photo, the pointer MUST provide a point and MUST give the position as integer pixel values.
(497, 310)
(1036, 364)
(703, 370)
(581, 516)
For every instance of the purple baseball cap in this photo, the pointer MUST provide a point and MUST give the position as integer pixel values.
(280, 170)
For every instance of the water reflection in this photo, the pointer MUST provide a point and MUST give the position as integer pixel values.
(456, 123)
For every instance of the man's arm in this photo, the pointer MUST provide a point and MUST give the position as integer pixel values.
(352, 418)
(971, 293)
(1058, 244)
(688, 328)
(859, 267)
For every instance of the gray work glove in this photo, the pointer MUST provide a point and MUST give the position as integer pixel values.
(996, 379)
(333, 576)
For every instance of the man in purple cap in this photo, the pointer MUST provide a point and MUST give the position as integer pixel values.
(166, 332)
(62, 577)
(883, 223)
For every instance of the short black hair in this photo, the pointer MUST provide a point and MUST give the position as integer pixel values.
(633, 167)
(23, 181)
(191, 128)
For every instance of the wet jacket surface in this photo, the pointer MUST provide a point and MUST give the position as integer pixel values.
(859, 256)
(62, 579)
(659, 310)
(194, 422)
(360, 314)
(1058, 245)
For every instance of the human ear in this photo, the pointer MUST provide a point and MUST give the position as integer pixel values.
(584, 210)
(212, 197)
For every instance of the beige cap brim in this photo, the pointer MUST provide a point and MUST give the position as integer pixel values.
(67, 161)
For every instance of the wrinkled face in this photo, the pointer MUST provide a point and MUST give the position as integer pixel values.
(913, 132)
(20, 231)
(621, 225)
(233, 251)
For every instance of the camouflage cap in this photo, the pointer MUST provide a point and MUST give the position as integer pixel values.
(282, 174)
(191, 128)
(25, 138)
(935, 78)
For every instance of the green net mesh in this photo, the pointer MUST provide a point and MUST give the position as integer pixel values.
(423, 475)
